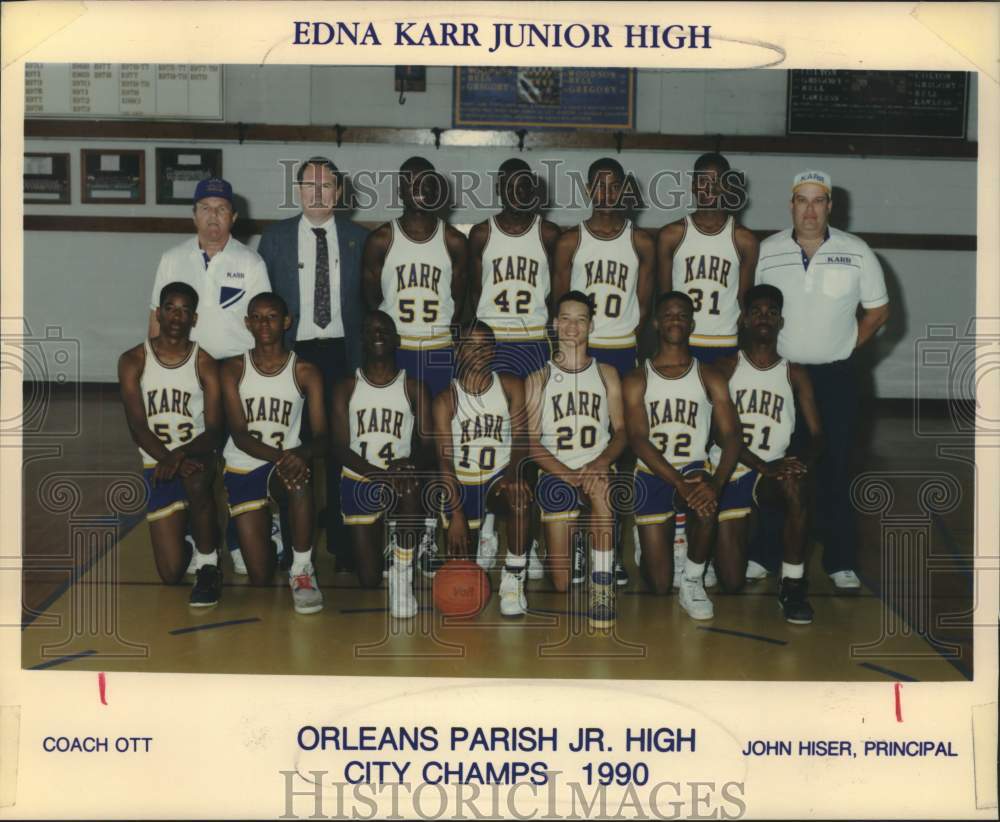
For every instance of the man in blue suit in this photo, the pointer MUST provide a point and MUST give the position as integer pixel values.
(314, 262)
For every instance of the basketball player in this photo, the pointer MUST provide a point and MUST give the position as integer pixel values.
(672, 405)
(264, 391)
(612, 260)
(479, 428)
(375, 421)
(576, 432)
(510, 256)
(414, 271)
(715, 259)
(766, 390)
(173, 406)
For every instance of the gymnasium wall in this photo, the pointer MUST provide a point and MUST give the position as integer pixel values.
(95, 286)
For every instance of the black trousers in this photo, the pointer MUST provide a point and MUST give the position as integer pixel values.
(836, 388)
(330, 357)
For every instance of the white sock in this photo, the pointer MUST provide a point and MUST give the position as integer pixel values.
(793, 571)
(601, 561)
(300, 559)
(693, 570)
(516, 562)
(680, 521)
(401, 556)
(201, 560)
(489, 524)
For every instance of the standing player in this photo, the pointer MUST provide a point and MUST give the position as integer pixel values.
(173, 406)
(671, 407)
(766, 388)
(414, 271)
(610, 259)
(711, 258)
(479, 427)
(376, 422)
(510, 256)
(264, 392)
(576, 431)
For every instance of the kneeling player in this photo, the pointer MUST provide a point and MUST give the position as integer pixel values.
(765, 388)
(170, 389)
(671, 404)
(376, 423)
(576, 431)
(264, 393)
(479, 427)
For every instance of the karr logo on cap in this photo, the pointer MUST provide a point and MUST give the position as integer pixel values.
(213, 187)
(820, 178)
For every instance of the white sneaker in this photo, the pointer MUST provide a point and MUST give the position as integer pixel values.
(536, 570)
(845, 579)
(279, 545)
(306, 595)
(239, 566)
(755, 571)
(486, 553)
(680, 557)
(402, 602)
(513, 602)
(694, 600)
(428, 560)
(636, 547)
(711, 580)
(192, 565)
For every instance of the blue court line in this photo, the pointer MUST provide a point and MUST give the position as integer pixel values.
(888, 672)
(61, 660)
(209, 625)
(76, 574)
(743, 634)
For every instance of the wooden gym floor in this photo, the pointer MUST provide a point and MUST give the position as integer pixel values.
(92, 599)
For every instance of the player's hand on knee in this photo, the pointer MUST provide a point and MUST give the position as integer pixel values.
(789, 467)
(402, 474)
(457, 541)
(167, 469)
(595, 484)
(698, 493)
(293, 470)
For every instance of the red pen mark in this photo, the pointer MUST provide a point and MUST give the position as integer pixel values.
(899, 705)
(102, 682)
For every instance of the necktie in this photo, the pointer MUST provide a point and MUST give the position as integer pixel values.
(321, 293)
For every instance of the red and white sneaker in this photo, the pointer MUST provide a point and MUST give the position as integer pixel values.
(306, 595)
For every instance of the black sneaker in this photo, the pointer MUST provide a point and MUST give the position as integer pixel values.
(793, 602)
(621, 575)
(601, 614)
(207, 587)
(579, 571)
(428, 561)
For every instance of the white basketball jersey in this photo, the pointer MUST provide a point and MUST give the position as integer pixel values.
(480, 432)
(679, 414)
(608, 271)
(765, 404)
(707, 269)
(416, 288)
(515, 283)
(381, 421)
(576, 426)
(272, 405)
(174, 401)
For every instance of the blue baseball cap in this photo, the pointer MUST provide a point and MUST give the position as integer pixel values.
(213, 187)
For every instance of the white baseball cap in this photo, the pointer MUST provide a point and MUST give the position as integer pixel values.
(820, 178)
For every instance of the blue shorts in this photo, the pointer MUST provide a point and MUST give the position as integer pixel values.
(623, 359)
(474, 498)
(739, 496)
(432, 366)
(248, 491)
(364, 502)
(656, 500)
(709, 354)
(557, 498)
(521, 358)
(165, 498)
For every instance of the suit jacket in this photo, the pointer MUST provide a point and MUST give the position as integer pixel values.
(279, 246)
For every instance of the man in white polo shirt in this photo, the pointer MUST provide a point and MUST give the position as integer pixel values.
(225, 273)
(824, 274)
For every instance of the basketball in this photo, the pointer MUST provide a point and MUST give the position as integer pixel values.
(461, 588)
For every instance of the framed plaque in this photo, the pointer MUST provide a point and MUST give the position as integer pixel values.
(179, 170)
(46, 178)
(113, 175)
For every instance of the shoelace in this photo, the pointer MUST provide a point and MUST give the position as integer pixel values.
(697, 591)
(603, 596)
